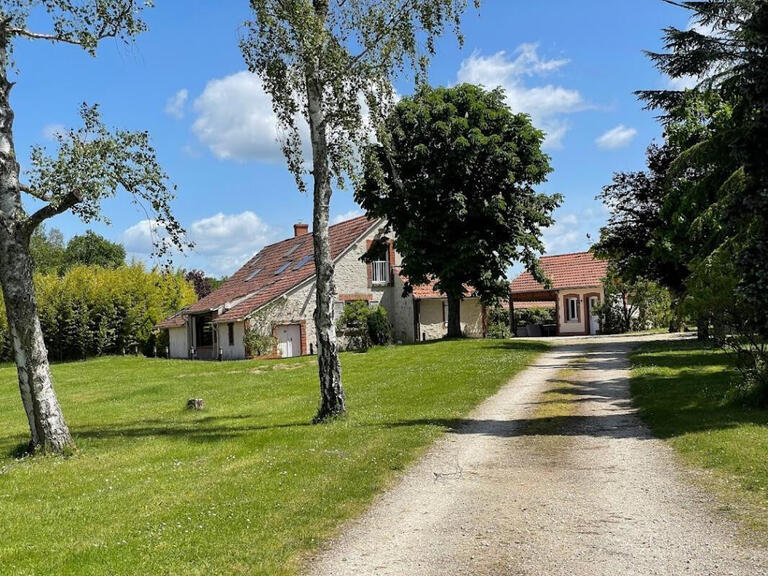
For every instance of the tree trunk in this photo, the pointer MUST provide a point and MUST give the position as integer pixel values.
(329, 367)
(48, 430)
(702, 326)
(454, 317)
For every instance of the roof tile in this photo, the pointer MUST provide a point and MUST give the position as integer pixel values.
(244, 292)
(580, 269)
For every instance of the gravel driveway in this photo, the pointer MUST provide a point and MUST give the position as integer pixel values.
(593, 494)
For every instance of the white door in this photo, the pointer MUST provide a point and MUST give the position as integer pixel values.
(289, 340)
(594, 319)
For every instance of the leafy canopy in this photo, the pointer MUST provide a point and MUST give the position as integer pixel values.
(458, 188)
(354, 49)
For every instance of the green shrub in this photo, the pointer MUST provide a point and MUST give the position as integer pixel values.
(93, 311)
(379, 327)
(353, 326)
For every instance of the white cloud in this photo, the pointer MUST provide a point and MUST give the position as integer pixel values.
(546, 104)
(346, 216)
(175, 105)
(223, 242)
(574, 231)
(50, 131)
(617, 137)
(236, 121)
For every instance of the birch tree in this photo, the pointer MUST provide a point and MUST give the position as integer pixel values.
(331, 64)
(89, 164)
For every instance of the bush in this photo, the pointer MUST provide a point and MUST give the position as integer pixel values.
(93, 311)
(353, 326)
(534, 316)
(379, 327)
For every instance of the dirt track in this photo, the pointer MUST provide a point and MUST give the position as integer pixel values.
(590, 494)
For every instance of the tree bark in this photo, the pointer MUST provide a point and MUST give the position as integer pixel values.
(454, 317)
(329, 368)
(48, 430)
(702, 326)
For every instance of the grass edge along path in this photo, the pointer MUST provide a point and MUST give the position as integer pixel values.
(681, 390)
(246, 486)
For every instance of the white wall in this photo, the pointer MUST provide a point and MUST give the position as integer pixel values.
(433, 326)
(237, 350)
(575, 327)
(177, 346)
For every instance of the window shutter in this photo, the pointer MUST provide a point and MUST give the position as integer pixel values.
(566, 310)
(578, 309)
(391, 262)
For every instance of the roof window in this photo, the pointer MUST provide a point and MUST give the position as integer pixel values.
(292, 249)
(303, 261)
(253, 274)
(283, 268)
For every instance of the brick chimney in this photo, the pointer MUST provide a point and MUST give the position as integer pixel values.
(299, 229)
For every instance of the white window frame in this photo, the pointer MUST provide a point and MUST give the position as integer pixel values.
(380, 272)
(572, 315)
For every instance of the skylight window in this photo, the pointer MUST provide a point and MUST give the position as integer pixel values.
(293, 249)
(253, 274)
(303, 261)
(283, 268)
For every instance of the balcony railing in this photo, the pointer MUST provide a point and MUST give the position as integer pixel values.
(380, 272)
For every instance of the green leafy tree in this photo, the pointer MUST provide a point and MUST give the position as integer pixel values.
(91, 249)
(458, 188)
(331, 64)
(47, 249)
(637, 305)
(728, 54)
(91, 163)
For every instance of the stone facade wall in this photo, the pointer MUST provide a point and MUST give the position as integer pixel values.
(401, 314)
(351, 279)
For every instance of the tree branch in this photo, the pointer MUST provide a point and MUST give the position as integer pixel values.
(34, 193)
(42, 36)
(51, 210)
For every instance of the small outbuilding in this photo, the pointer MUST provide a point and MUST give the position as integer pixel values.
(576, 291)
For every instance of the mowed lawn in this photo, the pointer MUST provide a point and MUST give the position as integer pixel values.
(681, 390)
(247, 486)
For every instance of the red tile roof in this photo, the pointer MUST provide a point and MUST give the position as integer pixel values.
(258, 282)
(175, 321)
(427, 291)
(577, 270)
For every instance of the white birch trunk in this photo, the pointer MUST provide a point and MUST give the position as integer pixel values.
(329, 367)
(48, 430)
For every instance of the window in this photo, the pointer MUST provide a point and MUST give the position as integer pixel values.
(293, 249)
(445, 311)
(252, 274)
(573, 310)
(231, 334)
(380, 264)
(303, 261)
(283, 268)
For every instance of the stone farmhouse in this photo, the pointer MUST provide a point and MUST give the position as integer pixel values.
(279, 283)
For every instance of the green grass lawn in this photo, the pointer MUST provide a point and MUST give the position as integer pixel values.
(681, 389)
(246, 486)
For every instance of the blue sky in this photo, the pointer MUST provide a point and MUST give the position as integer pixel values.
(572, 65)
